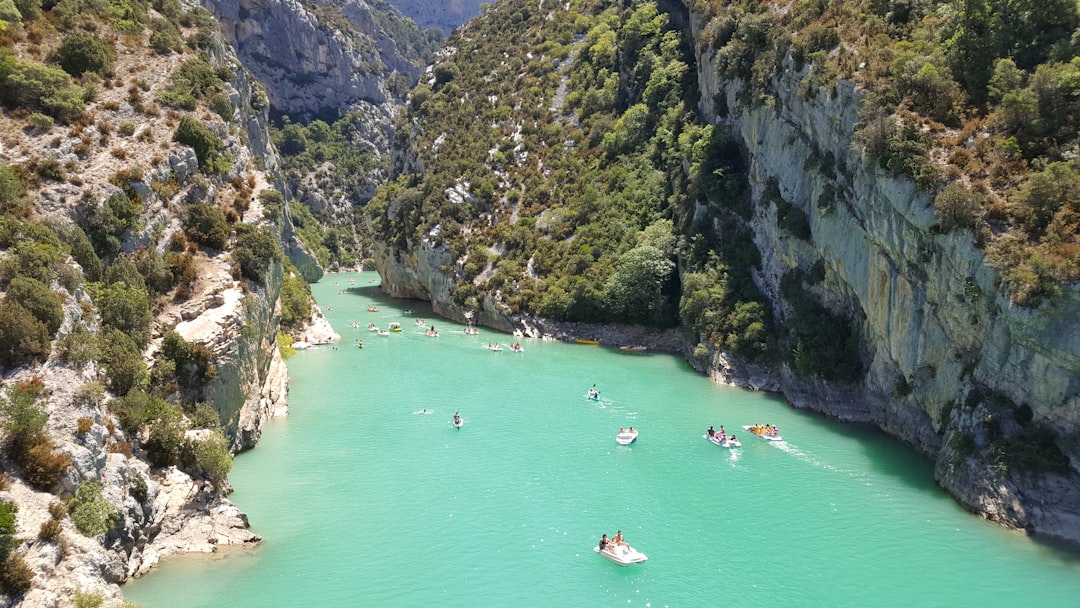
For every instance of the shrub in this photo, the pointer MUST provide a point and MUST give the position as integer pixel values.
(124, 365)
(206, 145)
(83, 52)
(11, 188)
(138, 489)
(88, 599)
(22, 416)
(85, 424)
(15, 576)
(213, 458)
(50, 530)
(206, 225)
(126, 308)
(255, 249)
(92, 515)
(41, 465)
(957, 207)
(37, 298)
(58, 510)
(23, 338)
(36, 87)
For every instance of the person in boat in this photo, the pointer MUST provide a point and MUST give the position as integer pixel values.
(457, 417)
(604, 542)
(711, 432)
(618, 539)
(621, 430)
(632, 431)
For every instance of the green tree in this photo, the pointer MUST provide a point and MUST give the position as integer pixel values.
(126, 309)
(84, 52)
(207, 146)
(23, 338)
(92, 515)
(254, 250)
(124, 365)
(206, 225)
(213, 458)
(37, 298)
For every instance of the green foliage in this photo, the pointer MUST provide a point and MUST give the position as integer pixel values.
(36, 87)
(88, 599)
(36, 297)
(23, 338)
(22, 416)
(82, 52)
(125, 309)
(255, 249)
(192, 363)
(106, 223)
(124, 365)
(165, 37)
(138, 488)
(284, 343)
(11, 189)
(295, 300)
(821, 343)
(957, 207)
(92, 515)
(206, 225)
(194, 80)
(213, 458)
(207, 146)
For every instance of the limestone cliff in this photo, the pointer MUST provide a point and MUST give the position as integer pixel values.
(938, 335)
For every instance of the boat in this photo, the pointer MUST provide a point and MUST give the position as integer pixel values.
(624, 555)
(395, 327)
(372, 327)
(593, 395)
(419, 321)
(433, 333)
(373, 309)
(633, 349)
(458, 422)
(472, 331)
(626, 437)
(517, 348)
(584, 341)
(725, 442)
(768, 433)
(382, 332)
(494, 347)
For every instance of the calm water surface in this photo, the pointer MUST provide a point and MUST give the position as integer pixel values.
(365, 502)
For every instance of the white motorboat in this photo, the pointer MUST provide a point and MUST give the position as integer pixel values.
(624, 555)
(458, 422)
(764, 432)
(726, 442)
(626, 437)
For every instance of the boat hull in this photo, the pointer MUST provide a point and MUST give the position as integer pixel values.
(623, 556)
(626, 438)
(765, 437)
(724, 443)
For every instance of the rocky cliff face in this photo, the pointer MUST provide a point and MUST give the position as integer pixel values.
(443, 14)
(313, 57)
(937, 333)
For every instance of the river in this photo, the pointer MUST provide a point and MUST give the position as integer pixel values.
(365, 501)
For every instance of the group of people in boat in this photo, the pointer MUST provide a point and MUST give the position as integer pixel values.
(767, 430)
(373, 309)
(431, 331)
(472, 331)
(516, 347)
(610, 544)
(457, 419)
(593, 393)
(720, 435)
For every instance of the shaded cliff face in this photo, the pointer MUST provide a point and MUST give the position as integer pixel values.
(952, 366)
(313, 57)
(443, 14)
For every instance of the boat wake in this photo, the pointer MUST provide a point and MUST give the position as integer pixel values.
(809, 459)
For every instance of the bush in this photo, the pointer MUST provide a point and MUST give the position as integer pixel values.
(206, 145)
(88, 599)
(23, 338)
(15, 576)
(41, 465)
(11, 189)
(36, 87)
(50, 530)
(213, 458)
(83, 52)
(255, 249)
(206, 225)
(22, 416)
(37, 298)
(138, 489)
(126, 309)
(957, 207)
(92, 515)
(124, 365)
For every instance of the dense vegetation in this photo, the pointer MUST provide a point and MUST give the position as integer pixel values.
(84, 282)
(975, 100)
(575, 180)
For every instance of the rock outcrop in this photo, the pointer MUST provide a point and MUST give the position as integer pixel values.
(938, 335)
(313, 57)
(443, 14)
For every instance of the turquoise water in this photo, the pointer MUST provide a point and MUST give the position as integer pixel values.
(363, 502)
